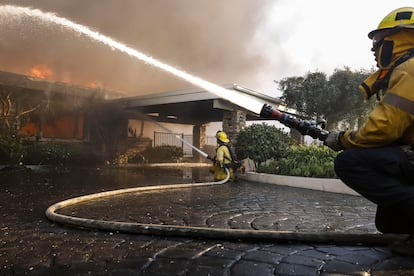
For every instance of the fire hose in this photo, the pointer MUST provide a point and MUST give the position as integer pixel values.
(52, 213)
(305, 127)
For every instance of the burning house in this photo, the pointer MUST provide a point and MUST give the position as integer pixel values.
(41, 111)
(58, 110)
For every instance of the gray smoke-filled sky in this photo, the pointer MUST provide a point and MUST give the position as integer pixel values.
(249, 42)
(215, 40)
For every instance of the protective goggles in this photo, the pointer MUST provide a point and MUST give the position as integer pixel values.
(378, 39)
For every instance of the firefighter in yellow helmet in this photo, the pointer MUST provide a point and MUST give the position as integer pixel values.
(223, 158)
(375, 160)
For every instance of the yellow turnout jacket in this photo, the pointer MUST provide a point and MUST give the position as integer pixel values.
(223, 157)
(392, 120)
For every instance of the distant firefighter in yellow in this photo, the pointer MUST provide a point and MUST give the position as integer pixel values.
(223, 158)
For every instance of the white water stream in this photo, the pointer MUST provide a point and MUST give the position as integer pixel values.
(229, 95)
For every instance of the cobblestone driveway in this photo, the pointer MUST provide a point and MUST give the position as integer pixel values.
(32, 245)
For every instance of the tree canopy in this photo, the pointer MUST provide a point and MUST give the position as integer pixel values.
(335, 98)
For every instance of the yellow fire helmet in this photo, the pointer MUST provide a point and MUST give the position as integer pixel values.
(395, 20)
(222, 136)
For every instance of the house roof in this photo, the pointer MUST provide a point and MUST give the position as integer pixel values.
(33, 84)
(195, 106)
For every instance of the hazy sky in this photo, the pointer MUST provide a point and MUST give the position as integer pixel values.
(324, 35)
(249, 42)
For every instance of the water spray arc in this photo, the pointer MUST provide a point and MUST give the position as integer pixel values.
(232, 96)
(253, 105)
(145, 117)
(193, 147)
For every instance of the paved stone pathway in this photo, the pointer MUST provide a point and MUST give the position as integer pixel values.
(32, 245)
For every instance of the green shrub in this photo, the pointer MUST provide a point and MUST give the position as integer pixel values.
(61, 153)
(48, 153)
(162, 154)
(12, 151)
(262, 142)
(301, 160)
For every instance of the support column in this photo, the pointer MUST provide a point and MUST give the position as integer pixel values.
(233, 123)
(199, 141)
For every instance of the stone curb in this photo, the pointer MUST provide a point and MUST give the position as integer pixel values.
(321, 184)
(331, 185)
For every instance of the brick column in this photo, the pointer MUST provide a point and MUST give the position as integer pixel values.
(233, 123)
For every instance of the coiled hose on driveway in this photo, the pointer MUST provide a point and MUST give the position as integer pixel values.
(204, 232)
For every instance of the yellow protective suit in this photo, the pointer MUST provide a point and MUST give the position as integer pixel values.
(223, 158)
(392, 120)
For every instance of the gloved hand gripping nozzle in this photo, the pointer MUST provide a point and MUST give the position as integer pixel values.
(311, 128)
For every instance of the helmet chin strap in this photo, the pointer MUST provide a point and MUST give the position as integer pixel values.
(381, 84)
(385, 53)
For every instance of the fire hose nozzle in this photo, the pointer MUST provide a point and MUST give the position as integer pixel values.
(269, 112)
(304, 127)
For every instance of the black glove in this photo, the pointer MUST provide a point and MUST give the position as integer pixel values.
(333, 140)
(211, 158)
(409, 152)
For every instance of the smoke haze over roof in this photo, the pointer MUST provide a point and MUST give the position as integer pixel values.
(215, 40)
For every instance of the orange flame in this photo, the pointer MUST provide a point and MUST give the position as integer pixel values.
(93, 84)
(41, 71)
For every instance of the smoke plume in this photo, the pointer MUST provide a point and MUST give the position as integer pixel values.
(211, 39)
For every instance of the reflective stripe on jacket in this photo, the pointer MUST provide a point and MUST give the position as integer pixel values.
(392, 120)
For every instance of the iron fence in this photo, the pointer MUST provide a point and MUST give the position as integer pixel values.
(170, 139)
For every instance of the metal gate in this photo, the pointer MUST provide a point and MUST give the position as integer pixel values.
(170, 139)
